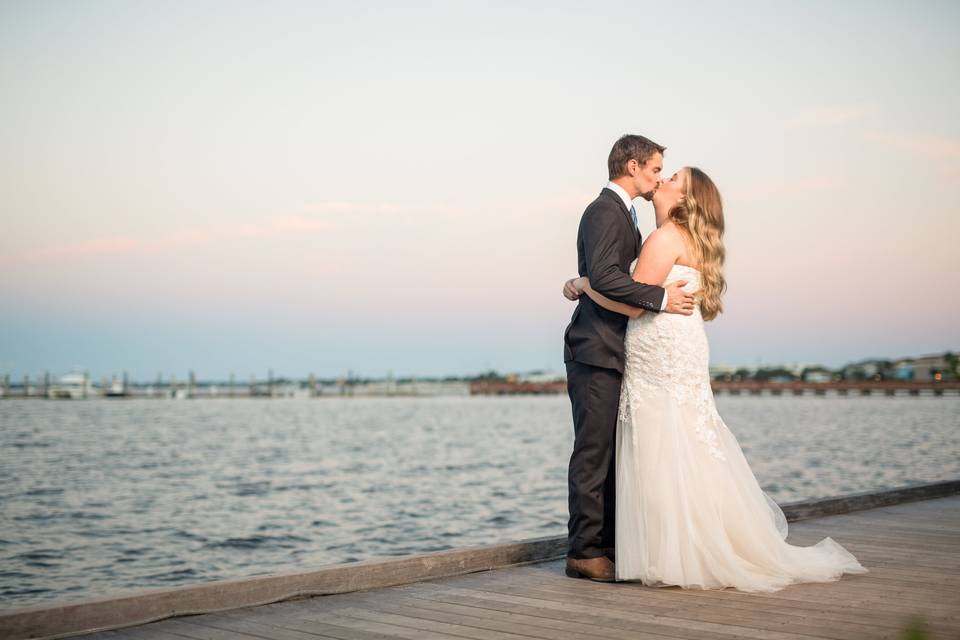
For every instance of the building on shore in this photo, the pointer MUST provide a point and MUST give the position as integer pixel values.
(74, 385)
(936, 367)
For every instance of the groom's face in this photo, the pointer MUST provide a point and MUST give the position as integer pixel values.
(647, 178)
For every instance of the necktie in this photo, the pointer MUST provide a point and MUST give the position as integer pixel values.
(633, 215)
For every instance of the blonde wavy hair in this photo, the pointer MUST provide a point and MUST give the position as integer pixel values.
(700, 215)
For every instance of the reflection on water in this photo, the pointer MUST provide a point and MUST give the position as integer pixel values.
(101, 497)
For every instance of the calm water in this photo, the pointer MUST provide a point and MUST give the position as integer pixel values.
(102, 497)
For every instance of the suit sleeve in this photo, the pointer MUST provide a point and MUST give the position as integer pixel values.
(601, 240)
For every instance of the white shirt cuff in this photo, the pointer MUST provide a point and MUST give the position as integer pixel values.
(663, 305)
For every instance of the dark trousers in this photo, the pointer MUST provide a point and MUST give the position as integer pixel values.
(595, 398)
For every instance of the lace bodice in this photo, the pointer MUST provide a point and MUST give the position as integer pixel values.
(683, 272)
(669, 351)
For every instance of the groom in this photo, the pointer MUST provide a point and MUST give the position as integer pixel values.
(607, 242)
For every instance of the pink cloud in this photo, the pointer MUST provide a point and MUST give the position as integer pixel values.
(932, 146)
(270, 226)
(340, 206)
(828, 117)
(101, 246)
(318, 217)
(952, 171)
(762, 190)
(298, 223)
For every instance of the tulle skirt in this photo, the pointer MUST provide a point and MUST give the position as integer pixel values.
(690, 513)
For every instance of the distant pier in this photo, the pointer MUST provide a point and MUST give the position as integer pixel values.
(192, 389)
(503, 388)
(752, 387)
(839, 387)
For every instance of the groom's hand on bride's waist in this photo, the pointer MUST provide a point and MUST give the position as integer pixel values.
(678, 300)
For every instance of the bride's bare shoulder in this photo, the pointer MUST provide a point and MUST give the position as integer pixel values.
(660, 250)
(670, 238)
(667, 237)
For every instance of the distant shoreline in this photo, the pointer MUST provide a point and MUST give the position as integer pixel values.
(461, 389)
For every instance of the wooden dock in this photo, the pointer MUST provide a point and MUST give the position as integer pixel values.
(909, 539)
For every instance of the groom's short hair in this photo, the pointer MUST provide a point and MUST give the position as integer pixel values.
(631, 147)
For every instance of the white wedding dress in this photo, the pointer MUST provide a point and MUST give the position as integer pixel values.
(689, 511)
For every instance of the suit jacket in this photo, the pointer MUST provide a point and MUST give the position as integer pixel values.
(607, 242)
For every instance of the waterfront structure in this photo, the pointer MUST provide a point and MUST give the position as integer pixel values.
(74, 385)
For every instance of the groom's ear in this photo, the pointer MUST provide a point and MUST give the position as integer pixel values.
(632, 167)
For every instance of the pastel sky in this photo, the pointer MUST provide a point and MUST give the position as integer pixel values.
(324, 187)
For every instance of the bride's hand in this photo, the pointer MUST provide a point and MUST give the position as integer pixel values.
(573, 287)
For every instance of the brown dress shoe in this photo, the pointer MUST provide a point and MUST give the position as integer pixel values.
(599, 569)
(611, 553)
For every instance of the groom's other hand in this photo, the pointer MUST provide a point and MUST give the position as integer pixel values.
(570, 291)
(678, 301)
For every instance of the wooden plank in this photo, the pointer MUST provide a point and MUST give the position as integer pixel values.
(831, 591)
(239, 626)
(401, 626)
(743, 626)
(307, 619)
(861, 585)
(259, 625)
(137, 633)
(717, 613)
(473, 626)
(276, 624)
(827, 607)
(405, 603)
(537, 626)
(184, 628)
(552, 573)
(636, 598)
(629, 622)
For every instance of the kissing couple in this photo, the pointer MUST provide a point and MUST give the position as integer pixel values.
(659, 489)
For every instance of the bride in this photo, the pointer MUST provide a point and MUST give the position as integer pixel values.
(690, 512)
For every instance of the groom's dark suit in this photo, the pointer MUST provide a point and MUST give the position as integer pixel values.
(607, 242)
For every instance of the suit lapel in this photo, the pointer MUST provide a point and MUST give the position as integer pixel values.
(626, 212)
